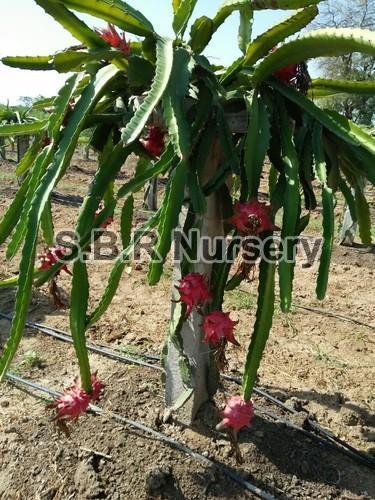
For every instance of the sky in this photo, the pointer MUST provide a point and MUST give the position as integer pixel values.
(25, 29)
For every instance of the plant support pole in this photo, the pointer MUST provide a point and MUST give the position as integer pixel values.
(23, 143)
(203, 373)
(349, 227)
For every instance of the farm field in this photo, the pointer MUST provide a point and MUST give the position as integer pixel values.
(318, 364)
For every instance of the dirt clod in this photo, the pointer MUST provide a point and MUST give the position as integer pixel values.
(349, 417)
(87, 481)
(158, 478)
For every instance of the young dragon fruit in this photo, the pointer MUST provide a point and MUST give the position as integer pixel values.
(194, 291)
(237, 414)
(218, 326)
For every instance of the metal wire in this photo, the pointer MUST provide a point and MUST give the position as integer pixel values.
(15, 379)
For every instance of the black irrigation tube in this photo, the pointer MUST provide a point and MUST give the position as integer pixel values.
(60, 335)
(66, 199)
(15, 380)
(322, 312)
(333, 315)
(58, 198)
(323, 441)
(321, 435)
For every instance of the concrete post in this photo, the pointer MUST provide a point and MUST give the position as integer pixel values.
(2, 148)
(150, 201)
(204, 376)
(23, 143)
(349, 227)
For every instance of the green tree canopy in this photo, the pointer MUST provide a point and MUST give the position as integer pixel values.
(355, 66)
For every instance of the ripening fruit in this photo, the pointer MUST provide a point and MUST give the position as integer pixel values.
(97, 387)
(114, 39)
(287, 74)
(252, 218)
(237, 414)
(70, 405)
(52, 256)
(218, 326)
(75, 401)
(153, 142)
(107, 222)
(194, 291)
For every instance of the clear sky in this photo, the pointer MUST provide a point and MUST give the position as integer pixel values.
(25, 29)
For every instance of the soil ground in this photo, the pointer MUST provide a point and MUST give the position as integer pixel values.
(321, 364)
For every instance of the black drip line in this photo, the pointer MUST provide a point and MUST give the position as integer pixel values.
(310, 427)
(96, 410)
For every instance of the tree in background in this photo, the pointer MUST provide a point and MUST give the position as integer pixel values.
(356, 66)
(26, 101)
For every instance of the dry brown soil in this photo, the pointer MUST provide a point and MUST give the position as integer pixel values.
(321, 364)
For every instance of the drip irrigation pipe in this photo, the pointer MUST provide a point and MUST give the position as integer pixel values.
(326, 436)
(69, 200)
(58, 198)
(15, 380)
(325, 313)
(320, 434)
(60, 335)
(323, 441)
(334, 315)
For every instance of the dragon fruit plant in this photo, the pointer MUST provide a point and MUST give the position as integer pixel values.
(215, 128)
